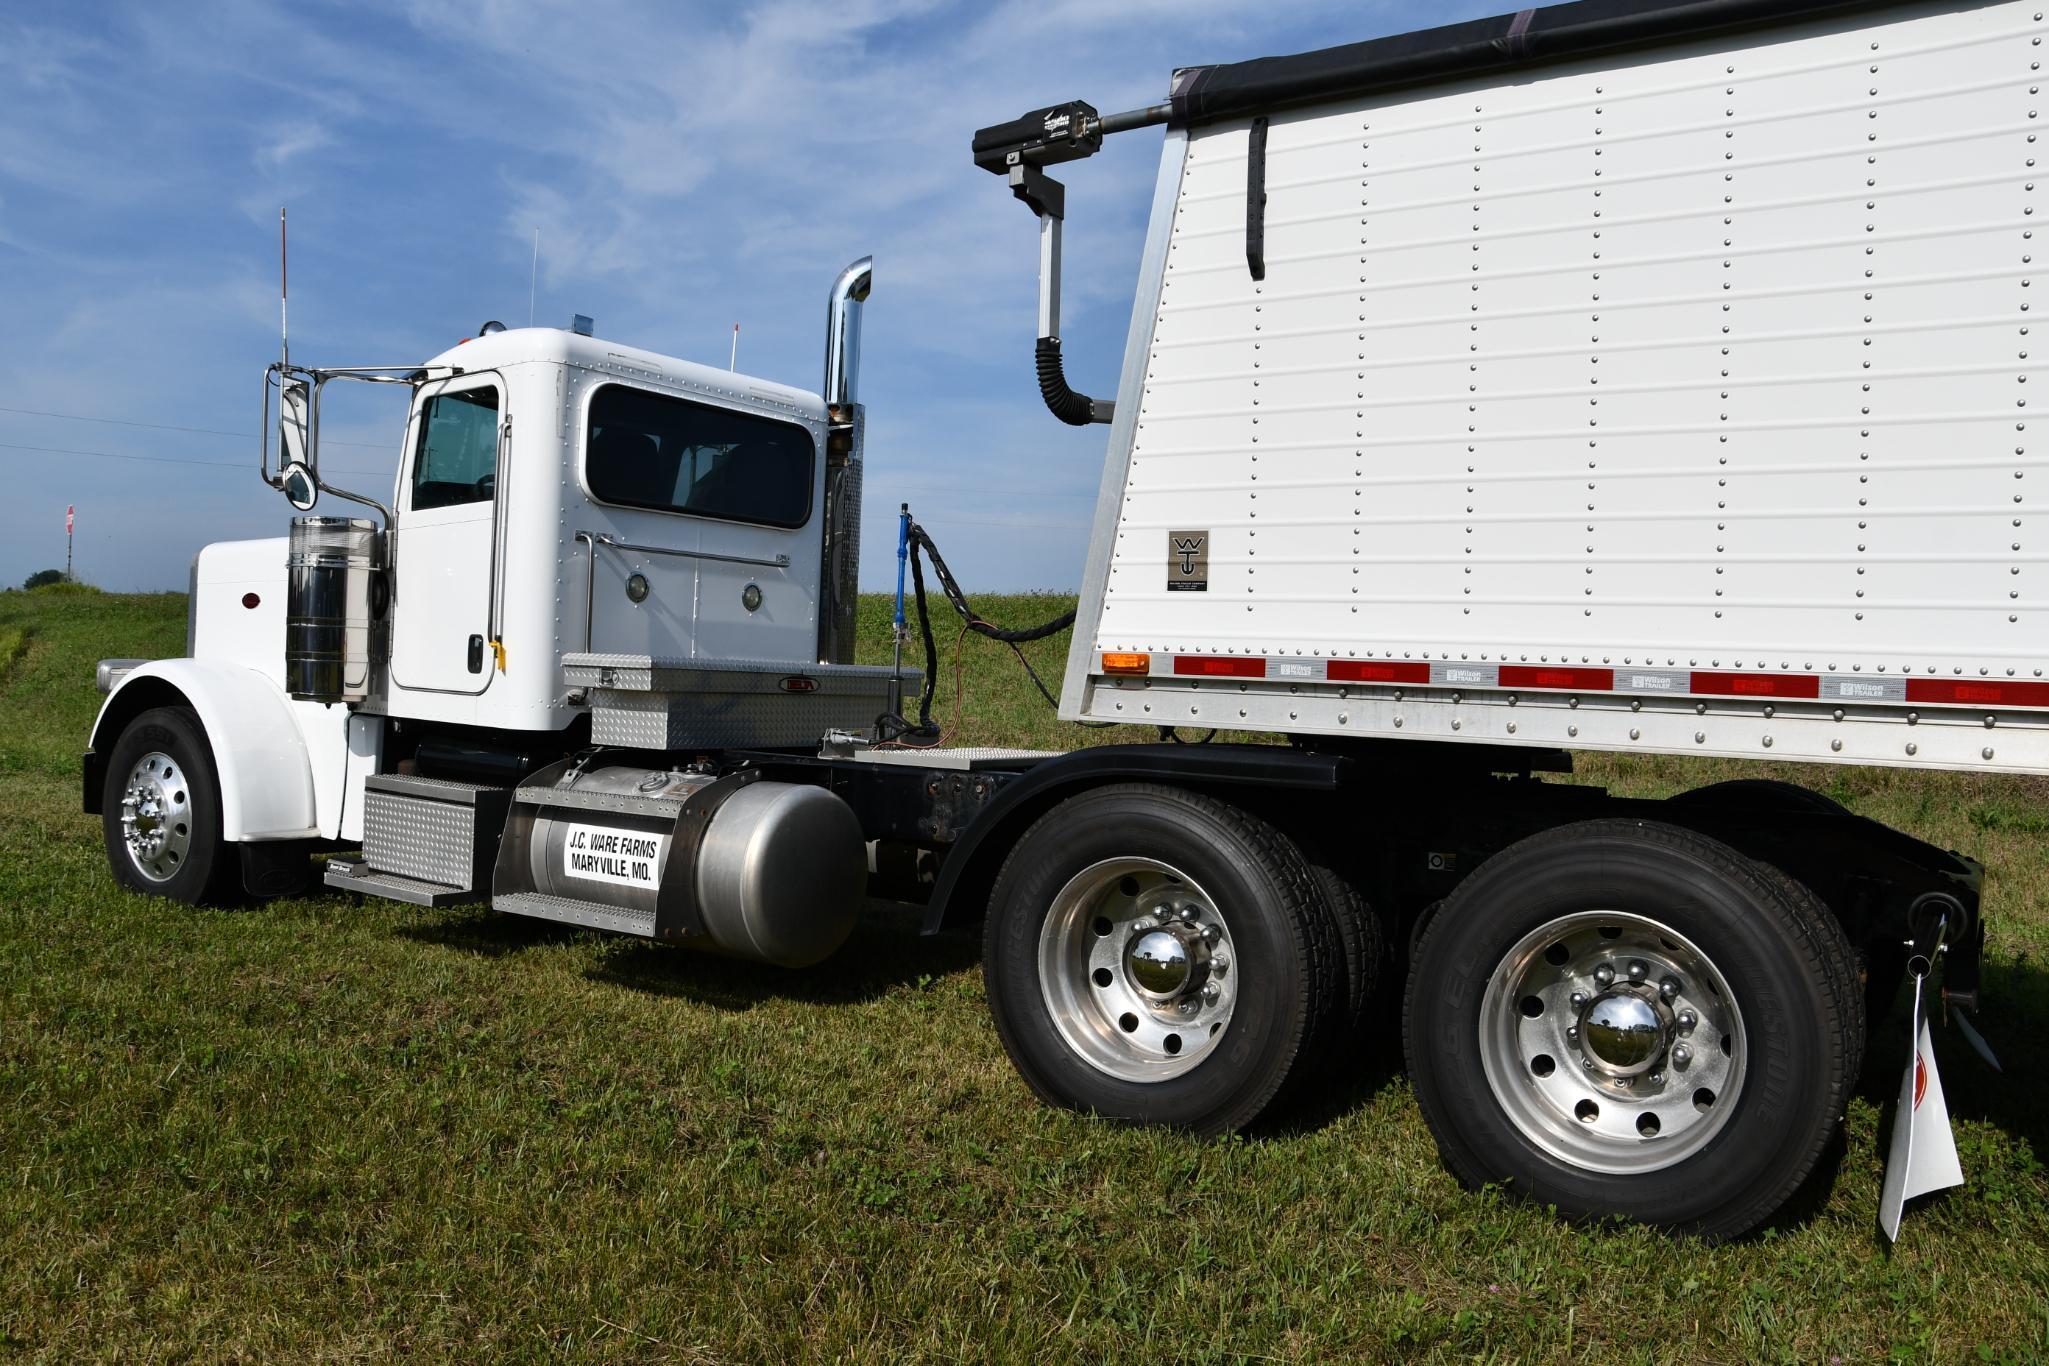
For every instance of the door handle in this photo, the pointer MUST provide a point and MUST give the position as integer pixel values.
(476, 658)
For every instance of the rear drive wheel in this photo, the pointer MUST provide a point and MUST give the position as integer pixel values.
(1156, 956)
(160, 812)
(1626, 1019)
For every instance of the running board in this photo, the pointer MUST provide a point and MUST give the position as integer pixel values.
(354, 876)
(594, 915)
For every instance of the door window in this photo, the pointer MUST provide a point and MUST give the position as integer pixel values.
(457, 459)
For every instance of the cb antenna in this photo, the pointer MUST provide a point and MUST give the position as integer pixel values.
(284, 331)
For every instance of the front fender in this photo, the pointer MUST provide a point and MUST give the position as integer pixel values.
(266, 774)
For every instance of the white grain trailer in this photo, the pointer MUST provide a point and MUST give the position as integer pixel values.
(1626, 377)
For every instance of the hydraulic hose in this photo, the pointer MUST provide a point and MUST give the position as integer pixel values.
(1076, 410)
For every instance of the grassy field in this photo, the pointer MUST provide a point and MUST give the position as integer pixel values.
(321, 1128)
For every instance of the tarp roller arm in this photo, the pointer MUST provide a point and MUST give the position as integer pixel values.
(1018, 151)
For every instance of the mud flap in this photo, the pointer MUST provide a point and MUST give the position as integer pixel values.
(1924, 1150)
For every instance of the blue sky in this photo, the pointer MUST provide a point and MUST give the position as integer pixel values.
(688, 166)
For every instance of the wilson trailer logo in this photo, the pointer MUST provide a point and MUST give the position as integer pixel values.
(1188, 562)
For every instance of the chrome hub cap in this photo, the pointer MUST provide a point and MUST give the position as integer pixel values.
(1612, 1042)
(1625, 1034)
(156, 817)
(1135, 969)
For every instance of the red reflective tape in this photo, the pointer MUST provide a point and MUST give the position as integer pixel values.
(1220, 666)
(1376, 671)
(1977, 692)
(1757, 685)
(1549, 676)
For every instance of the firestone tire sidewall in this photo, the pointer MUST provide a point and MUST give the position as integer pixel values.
(176, 732)
(1791, 1094)
(1269, 1028)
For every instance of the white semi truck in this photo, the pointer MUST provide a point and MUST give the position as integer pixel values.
(1642, 378)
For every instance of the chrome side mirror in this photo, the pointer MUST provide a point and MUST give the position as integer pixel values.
(297, 482)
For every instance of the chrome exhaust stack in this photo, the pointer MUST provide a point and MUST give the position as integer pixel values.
(842, 529)
(843, 338)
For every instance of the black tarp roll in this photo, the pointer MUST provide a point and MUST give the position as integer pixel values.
(1204, 94)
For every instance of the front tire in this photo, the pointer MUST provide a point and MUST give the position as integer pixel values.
(160, 812)
(1154, 955)
(1620, 1018)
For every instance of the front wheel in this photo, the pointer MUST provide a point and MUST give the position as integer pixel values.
(1154, 955)
(160, 812)
(1626, 1019)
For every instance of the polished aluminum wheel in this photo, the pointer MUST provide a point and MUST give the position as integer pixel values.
(1136, 969)
(156, 817)
(1612, 1042)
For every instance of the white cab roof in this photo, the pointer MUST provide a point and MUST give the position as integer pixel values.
(524, 345)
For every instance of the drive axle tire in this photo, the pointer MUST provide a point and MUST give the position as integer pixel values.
(1154, 955)
(160, 811)
(1626, 1019)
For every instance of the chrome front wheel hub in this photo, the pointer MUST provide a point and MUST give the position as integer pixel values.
(1135, 968)
(1612, 1042)
(156, 817)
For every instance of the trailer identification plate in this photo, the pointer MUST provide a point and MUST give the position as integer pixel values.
(1188, 561)
(629, 858)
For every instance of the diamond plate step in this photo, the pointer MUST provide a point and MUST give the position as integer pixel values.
(590, 914)
(433, 831)
(359, 877)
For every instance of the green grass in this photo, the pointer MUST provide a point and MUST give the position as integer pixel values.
(319, 1128)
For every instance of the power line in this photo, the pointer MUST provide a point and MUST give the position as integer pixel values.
(167, 427)
(162, 459)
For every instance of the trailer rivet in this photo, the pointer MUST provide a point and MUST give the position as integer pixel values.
(1398, 723)
(1572, 731)
(1991, 721)
(1511, 727)
(1635, 734)
(1836, 745)
(1344, 717)
(1767, 742)
(1986, 752)
(1700, 737)
(1912, 750)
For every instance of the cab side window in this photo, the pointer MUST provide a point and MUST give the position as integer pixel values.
(457, 459)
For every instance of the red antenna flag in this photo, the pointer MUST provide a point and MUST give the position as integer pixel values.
(70, 514)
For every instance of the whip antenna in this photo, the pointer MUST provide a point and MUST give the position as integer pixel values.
(284, 331)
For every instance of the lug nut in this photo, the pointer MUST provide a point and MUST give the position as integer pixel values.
(1638, 970)
(1579, 1000)
(1210, 992)
(1211, 934)
(1657, 1078)
(1669, 988)
(1681, 1056)
(1163, 912)
(1572, 1033)
(1603, 975)
(1220, 965)
(1687, 1020)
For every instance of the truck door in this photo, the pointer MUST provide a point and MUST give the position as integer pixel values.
(446, 540)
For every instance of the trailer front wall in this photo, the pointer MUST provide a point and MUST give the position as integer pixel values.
(1706, 359)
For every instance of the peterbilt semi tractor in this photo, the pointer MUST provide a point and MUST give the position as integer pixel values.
(1637, 379)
